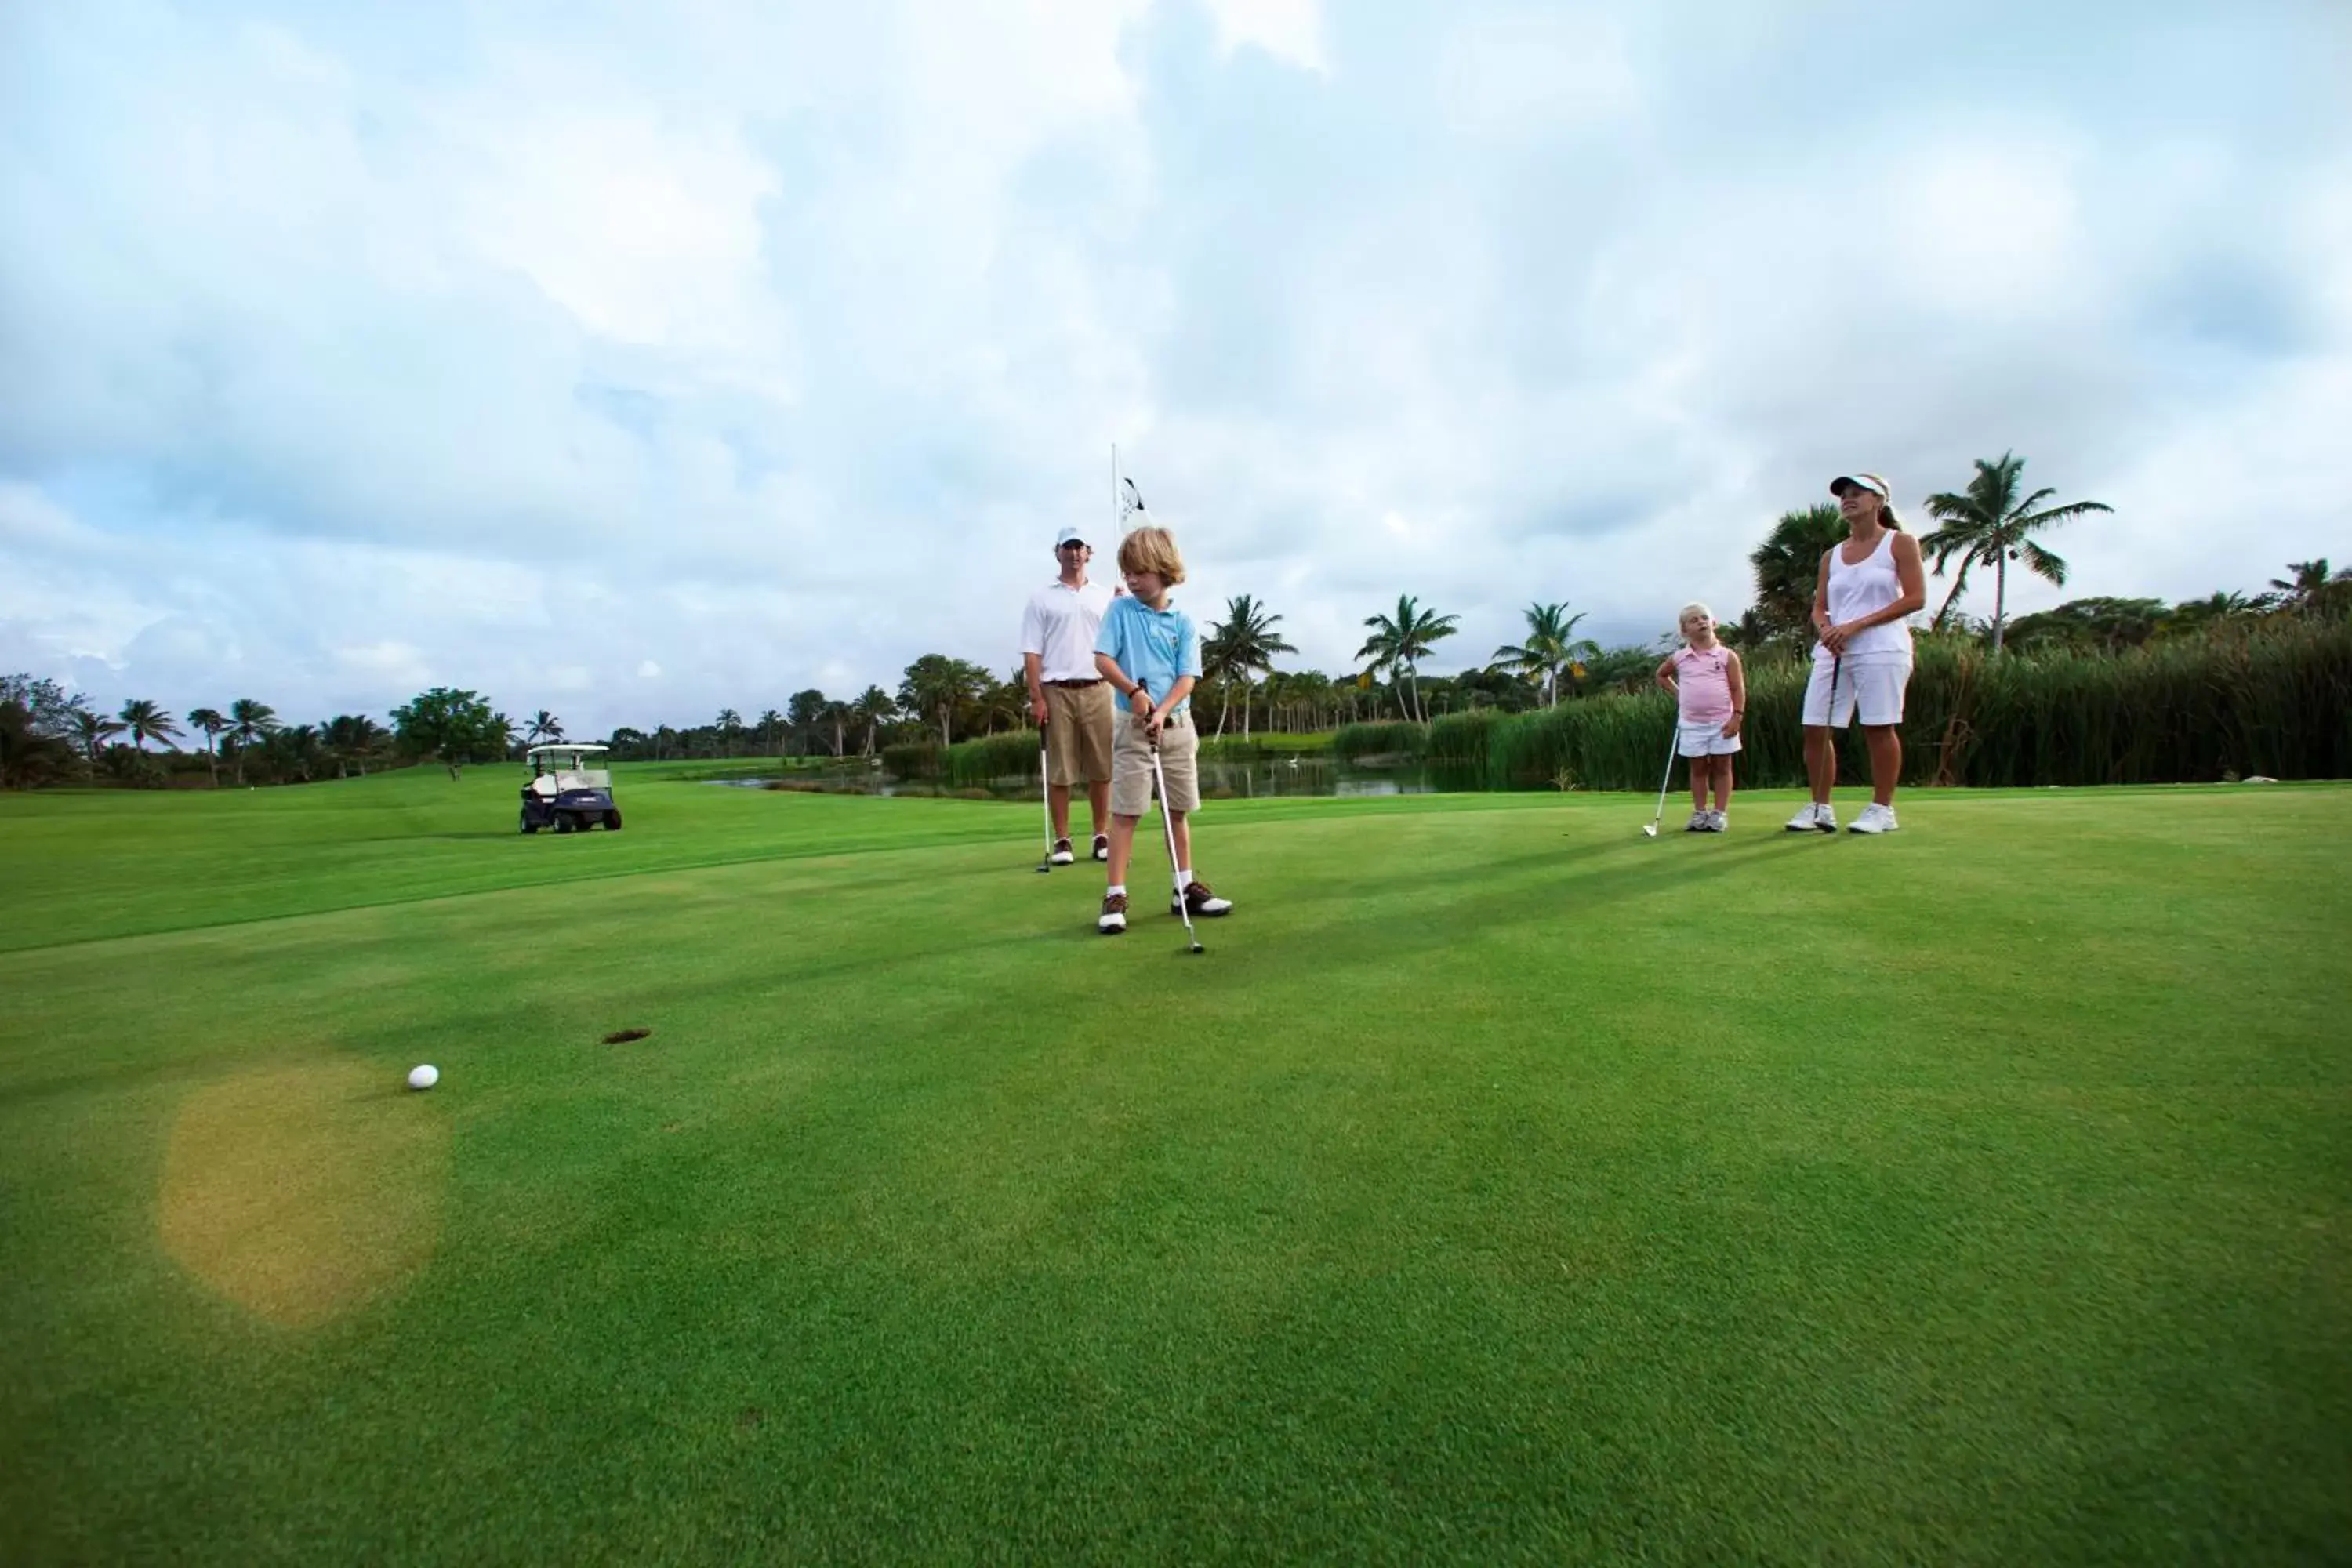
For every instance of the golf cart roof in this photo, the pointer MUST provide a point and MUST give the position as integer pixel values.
(537, 750)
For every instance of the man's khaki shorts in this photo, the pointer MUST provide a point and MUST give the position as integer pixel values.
(1130, 771)
(1079, 720)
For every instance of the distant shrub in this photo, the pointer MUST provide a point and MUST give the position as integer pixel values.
(1395, 738)
(913, 760)
(1013, 755)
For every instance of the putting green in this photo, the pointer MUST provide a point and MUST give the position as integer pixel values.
(1500, 1184)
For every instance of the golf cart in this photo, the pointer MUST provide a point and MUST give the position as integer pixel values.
(566, 792)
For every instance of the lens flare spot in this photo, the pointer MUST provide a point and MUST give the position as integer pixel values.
(301, 1193)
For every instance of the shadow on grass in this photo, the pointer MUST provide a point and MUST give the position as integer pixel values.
(1499, 895)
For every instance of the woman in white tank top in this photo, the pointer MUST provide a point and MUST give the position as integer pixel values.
(1868, 584)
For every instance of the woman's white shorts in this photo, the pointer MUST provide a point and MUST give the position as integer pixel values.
(1703, 739)
(1874, 687)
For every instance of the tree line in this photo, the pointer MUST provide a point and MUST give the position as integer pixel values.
(47, 735)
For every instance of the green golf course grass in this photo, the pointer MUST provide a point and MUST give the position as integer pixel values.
(1500, 1185)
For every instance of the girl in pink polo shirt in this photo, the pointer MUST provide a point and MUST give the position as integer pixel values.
(1712, 694)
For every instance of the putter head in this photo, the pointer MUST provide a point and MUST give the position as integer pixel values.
(1044, 869)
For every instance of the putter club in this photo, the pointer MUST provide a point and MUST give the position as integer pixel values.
(1168, 823)
(1837, 668)
(1046, 797)
(1674, 742)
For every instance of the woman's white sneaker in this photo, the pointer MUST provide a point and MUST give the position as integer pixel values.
(1715, 822)
(1875, 819)
(1813, 819)
(1697, 823)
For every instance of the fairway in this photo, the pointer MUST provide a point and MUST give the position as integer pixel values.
(1498, 1187)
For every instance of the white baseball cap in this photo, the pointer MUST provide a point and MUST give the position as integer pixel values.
(1068, 536)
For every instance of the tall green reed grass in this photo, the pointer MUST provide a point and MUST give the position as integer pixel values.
(1013, 755)
(1391, 739)
(2273, 698)
(913, 760)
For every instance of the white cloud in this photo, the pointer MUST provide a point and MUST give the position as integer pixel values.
(1935, 212)
(395, 663)
(1289, 30)
(647, 232)
(30, 519)
(1529, 72)
(774, 343)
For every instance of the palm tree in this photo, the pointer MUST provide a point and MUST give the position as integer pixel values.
(1987, 523)
(729, 725)
(249, 722)
(91, 732)
(1005, 701)
(212, 721)
(935, 685)
(1752, 630)
(874, 708)
(1788, 567)
(1305, 694)
(354, 739)
(2201, 614)
(295, 750)
(544, 726)
(2311, 589)
(1241, 644)
(1399, 644)
(2305, 578)
(771, 729)
(1550, 648)
(147, 721)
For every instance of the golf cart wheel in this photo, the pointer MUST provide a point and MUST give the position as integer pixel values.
(563, 823)
(612, 820)
(528, 825)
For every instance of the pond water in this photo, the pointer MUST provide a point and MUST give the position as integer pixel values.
(1218, 780)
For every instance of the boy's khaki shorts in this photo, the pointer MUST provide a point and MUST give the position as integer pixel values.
(1131, 765)
(1079, 720)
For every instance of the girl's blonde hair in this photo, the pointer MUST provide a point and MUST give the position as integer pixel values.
(1153, 549)
(1693, 608)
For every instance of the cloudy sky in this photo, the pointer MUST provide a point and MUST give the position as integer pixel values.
(637, 360)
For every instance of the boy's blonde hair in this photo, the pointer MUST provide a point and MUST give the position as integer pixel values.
(1693, 608)
(1153, 549)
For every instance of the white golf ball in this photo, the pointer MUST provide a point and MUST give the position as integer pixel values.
(424, 1076)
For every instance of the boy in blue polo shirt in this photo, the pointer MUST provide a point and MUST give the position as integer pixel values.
(1150, 654)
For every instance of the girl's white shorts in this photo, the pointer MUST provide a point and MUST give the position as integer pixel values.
(1703, 739)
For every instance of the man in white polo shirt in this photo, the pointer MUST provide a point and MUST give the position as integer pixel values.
(1066, 694)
